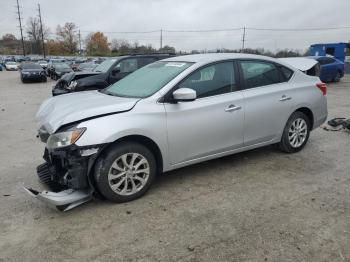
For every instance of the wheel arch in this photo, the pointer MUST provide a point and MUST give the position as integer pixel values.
(307, 111)
(143, 140)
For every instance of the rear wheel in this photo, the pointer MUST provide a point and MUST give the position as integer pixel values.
(296, 133)
(337, 77)
(125, 172)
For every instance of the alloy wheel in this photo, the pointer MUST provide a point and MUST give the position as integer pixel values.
(128, 174)
(297, 132)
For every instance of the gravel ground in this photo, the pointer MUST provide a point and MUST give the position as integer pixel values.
(261, 205)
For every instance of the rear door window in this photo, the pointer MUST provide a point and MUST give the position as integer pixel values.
(260, 73)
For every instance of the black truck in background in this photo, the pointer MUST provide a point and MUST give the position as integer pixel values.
(105, 74)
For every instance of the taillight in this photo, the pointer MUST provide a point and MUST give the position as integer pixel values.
(322, 87)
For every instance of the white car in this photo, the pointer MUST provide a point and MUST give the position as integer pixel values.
(11, 66)
(170, 114)
(43, 63)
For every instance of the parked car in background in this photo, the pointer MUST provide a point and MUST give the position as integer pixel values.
(11, 66)
(42, 63)
(331, 69)
(32, 72)
(86, 67)
(75, 64)
(51, 63)
(170, 114)
(105, 74)
(58, 70)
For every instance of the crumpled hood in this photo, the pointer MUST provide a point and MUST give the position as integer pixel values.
(60, 110)
(77, 75)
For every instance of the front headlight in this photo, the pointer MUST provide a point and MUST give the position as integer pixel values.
(25, 73)
(72, 84)
(64, 139)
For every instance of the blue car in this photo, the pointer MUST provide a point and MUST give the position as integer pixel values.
(331, 69)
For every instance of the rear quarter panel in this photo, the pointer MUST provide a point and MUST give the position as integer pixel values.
(306, 94)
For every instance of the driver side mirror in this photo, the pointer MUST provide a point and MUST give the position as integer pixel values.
(115, 71)
(184, 95)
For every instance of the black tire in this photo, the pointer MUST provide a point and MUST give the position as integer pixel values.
(104, 164)
(337, 77)
(285, 144)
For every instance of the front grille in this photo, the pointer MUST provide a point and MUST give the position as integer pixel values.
(46, 174)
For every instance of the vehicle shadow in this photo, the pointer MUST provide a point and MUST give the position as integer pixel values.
(210, 167)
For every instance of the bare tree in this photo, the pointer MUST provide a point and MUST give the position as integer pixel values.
(68, 36)
(34, 34)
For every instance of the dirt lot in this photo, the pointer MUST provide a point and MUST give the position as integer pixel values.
(261, 205)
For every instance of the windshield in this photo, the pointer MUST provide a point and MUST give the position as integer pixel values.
(62, 66)
(31, 66)
(42, 62)
(87, 65)
(105, 65)
(11, 63)
(147, 80)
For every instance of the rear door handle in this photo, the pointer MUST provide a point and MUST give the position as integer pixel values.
(232, 108)
(285, 98)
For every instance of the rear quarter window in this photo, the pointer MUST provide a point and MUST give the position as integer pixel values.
(286, 73)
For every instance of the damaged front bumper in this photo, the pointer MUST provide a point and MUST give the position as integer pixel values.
(64, 200)
(66, 173)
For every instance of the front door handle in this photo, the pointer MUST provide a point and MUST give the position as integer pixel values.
(285, 98)
(232, 108)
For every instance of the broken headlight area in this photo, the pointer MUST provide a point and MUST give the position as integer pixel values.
(67, 167)
(64, 138)
(65, 172)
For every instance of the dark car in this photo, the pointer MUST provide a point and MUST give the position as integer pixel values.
(331, 69)
(108, 72)
(32, 72)
(58, 70)
(51, 63)
(83, 67)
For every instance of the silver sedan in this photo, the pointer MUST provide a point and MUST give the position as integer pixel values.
(173, 113)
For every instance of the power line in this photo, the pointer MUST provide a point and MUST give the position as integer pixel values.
(299, 29)
(124, 32)
(20, 27)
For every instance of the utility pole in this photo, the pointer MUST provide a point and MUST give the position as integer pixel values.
(41, 30)
(79, 43)
(243, 40)
(161, 38)
(20, 27)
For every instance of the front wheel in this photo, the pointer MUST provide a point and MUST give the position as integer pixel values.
(296, 133)
(125, 172)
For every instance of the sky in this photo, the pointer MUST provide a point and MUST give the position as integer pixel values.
(184, 15)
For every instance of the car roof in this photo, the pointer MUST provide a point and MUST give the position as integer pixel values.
(213, 57)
